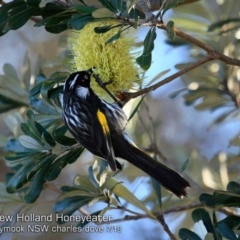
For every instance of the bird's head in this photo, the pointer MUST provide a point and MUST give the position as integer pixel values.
(78, 83)
(78, 79)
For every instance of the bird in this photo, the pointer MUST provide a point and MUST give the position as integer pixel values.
(99, 126)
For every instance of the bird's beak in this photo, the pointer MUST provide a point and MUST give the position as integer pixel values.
(90, 70)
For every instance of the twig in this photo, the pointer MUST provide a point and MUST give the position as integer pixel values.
(183, 208)
(126, 218)
(36, 19)
(130, 95)
(160, 9)
(165, 227)
(130, 211)
(52, 187)
(228, 211)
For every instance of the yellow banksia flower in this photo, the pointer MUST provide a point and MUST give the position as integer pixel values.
(114, 61)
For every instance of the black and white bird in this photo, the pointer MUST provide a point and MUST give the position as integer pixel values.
(99, 126)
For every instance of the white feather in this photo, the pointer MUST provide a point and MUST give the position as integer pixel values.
(73, 81)
(82, 92)
(61, 99)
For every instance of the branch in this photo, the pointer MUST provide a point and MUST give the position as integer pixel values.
(165, 227)
(130, 211)
(126, 218)
(214, 54)
(228, 211)
(183, 208)
(130, 95)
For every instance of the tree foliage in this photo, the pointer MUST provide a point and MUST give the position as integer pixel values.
(44, 147)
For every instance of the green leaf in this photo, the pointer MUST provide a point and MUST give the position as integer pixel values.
(106, 28)
(147, 82)
(221, 23)
(46, 121)
(29, 128)
(121, 191)
(185, 165)
(34, 128)
(130, 4)
(7, 104)
(38, 182)
(102, 13)
(84, 182)
(79, 22)
(209, 236)
(33, 2)
(220, 199)
(169, 5)
(86, 221)
(226, 231)
(29, 142)
(18, 17)
(134, 13)
(144, 61)
(48, 138)
(59, 136)
(157, 188)
(114, 37)
(35, 91)
(55, 92)
(79, 193)
(136, 108)
(148, 42)
(20, 155)
(10, 71)
(53, 172)
(57, 24)
(103, 29)
(186, 234)
(84, 9)
(69, 205)
(26, 72)
(25, 173)
(4, 11)
(30, 115)
(201, 214)
(13, 145)
(233, 187)
(171, 30)
(42, 107)
(108, 5)
(46, 86)
(231, 221)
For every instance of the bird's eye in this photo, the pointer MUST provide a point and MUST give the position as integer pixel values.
(86, 76)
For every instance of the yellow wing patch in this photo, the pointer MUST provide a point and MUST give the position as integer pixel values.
(103, 121)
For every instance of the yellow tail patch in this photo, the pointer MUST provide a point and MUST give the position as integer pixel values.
(103, 121)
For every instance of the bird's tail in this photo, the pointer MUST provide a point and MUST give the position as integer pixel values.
(167, 177)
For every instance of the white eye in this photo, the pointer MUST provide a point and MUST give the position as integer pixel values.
(86, 76)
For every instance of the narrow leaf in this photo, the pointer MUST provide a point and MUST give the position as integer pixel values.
(171, 30)
(186, 234)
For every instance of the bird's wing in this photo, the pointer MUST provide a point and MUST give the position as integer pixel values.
(101, 133)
